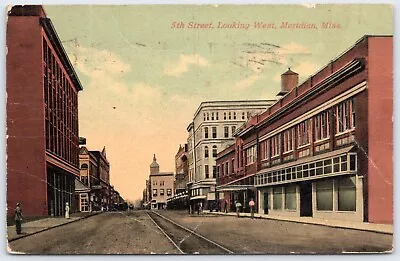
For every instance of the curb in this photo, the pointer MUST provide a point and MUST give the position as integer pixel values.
(48, 228)
(307, 223)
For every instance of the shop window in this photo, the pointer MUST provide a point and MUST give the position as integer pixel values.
(277, 198)
(324, 194)
(347, 193)
(290, 197)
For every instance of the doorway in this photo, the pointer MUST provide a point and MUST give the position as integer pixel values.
(306, 199)
(266, 196)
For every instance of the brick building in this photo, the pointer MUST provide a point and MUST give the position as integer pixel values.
(161, 186)
(42, 115)
(324, 150)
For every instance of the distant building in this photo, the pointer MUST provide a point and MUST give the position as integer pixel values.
(161, 185)
(101, 188)
(181, 170)
(324, 150)
(42, 116)
(211, 131)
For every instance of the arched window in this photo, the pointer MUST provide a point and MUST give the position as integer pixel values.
(206, 152)
(84, 166)
(215, 151)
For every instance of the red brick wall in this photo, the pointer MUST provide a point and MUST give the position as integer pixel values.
(380, 130)
(26, 168)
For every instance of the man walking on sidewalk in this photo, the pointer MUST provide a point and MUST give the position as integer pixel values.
(238, 206)
(66, 210)
(251, 205)
(18, 218)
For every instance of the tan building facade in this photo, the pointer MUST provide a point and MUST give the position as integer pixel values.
(161, 184)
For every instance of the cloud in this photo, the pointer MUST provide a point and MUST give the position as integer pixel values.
(247, 82)
(293, 48)
(182, 65)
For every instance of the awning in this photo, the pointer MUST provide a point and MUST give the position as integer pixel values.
(198, 197)
(80, 187)
(234, 187)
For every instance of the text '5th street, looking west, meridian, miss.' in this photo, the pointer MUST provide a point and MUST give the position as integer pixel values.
(255, 25)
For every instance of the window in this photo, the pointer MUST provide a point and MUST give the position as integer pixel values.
(84, 166)
(290, 197)
(212, 116)
(321, 124)
(277, 201)
(303, 134)
(224, 115)
(275, 145)
(223, 169)
(161, 192)
(227, 168)
(214, 132)
(215, 151)
(229, 115)
(206, 132)
(233, 129)
(347, 193)
(233, 166)
(208, 116)
(169, 192)
(325, 194)
(345, 116)
(204, 116)
(226, 131)
(216, 115)
(206, 152)
(242, 115)
(234, 115)
(251, 155)
(214, 172)
(288, 140)
(154, 192)
(206, 171)
(264, 149)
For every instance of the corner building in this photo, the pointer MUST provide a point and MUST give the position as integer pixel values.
(42, 116)
(324, 150)
(212, 129)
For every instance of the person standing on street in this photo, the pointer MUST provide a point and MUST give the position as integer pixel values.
(18, 218)
(251, 205)
(226, 206)
(238, 206)
(66, 210)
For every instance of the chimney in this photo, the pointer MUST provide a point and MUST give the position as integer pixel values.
(289, 81)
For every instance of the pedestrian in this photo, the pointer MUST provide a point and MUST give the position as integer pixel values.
(66, 210)
(226, 206)
(201, 207)
(238, 206)
(251, 205)
(18, 218)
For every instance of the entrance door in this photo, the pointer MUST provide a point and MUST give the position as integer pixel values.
(266, 202)
(306, 199)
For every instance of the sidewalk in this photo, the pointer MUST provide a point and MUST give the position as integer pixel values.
(44, 224)
(378, 228)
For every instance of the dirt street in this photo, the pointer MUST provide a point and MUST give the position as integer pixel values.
(263, 236)
(107, 233)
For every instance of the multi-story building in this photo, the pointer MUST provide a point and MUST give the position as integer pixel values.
(88, 177)
(101, 188)
(42, 116)
(324, 150)
(181, 170)
(212, 130)
(161, 185)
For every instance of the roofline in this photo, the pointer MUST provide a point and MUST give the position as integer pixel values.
(53, 36)
(203, 103)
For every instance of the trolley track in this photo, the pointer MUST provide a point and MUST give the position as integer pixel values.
(184, 239)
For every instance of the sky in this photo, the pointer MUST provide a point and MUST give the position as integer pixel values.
(144, 78)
